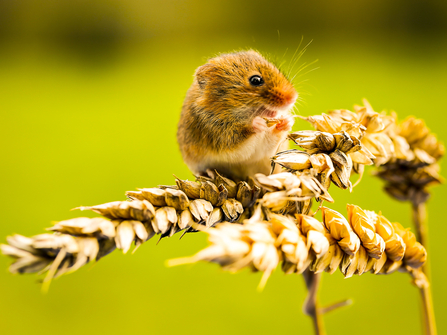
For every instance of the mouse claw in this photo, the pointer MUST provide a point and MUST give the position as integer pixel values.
(285, 124)
(259, 124)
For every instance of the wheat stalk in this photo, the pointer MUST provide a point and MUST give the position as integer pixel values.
(268, 220)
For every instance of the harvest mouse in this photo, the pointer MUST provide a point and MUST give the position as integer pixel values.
(222, 123)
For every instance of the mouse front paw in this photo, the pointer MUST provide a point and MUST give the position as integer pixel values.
(285, 124)
(259, 124)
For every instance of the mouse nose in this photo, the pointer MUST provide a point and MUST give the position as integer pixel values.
(291, 97)
(284, 96)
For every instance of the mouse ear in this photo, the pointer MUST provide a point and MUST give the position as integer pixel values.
(203, 74)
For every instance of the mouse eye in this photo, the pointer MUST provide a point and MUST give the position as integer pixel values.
(256, 80)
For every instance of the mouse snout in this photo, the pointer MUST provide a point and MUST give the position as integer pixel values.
(284, 96)
(291, 98)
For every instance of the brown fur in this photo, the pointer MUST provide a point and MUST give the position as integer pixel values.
(220, 105)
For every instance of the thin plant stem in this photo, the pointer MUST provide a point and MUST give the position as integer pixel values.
(311, 305)
(420, 222)
(428, 311)
(337, 305)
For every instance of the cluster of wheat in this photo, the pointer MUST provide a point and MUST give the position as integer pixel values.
(365, 242)
(269, 220)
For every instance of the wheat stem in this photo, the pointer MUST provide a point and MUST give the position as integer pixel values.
(420, 219)
(420, 222)
(334, 306)
(311, 305)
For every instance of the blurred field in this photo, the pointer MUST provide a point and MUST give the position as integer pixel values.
(90, 96)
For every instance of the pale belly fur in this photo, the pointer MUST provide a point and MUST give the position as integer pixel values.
(251, 157)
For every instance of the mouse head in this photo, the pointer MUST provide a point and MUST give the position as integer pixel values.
(244, 83)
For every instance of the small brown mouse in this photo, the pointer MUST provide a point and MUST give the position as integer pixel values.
(222, 123)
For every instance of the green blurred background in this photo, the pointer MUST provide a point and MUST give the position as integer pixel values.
(90, 95)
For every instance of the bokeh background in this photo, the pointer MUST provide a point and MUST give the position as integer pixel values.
(90, 95)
